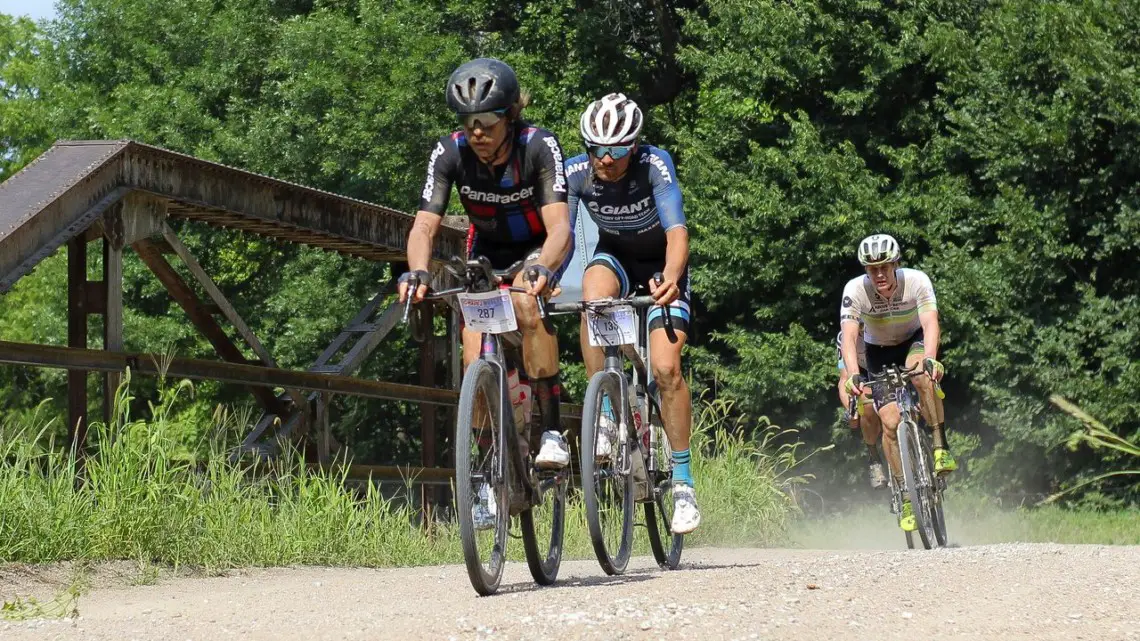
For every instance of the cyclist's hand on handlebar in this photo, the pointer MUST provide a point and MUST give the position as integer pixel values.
(540, 280)
(854, 386)
(420, 278)
(664, 290)
(933, 368)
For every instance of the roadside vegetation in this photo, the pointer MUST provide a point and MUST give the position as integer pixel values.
(142, 496)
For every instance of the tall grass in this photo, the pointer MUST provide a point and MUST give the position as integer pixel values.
(139, 496)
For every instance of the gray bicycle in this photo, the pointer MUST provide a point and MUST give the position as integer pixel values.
(495, 477)
(924, 488)
(623, 411)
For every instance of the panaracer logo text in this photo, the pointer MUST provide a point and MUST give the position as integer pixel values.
(559, 175)
(429, 185)
(659, 163)
(623, 210)
(488, 197)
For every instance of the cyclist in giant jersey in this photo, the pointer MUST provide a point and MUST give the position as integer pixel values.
(899, 314)
(512, 185)
(630, 190)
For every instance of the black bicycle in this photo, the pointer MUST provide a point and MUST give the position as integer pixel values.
(624, 411)
(494, 478)
(920, 483)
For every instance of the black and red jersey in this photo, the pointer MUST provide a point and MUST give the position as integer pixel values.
(503, 202)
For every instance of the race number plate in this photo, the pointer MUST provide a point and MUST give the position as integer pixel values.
(489, 313)
(615, 326)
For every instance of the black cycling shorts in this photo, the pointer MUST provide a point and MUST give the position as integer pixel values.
(634, 276)
(880, 356)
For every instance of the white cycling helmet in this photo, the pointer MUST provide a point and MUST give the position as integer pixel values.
(878, 249)
(613, 120)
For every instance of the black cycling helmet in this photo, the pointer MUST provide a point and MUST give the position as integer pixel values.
(484, 84)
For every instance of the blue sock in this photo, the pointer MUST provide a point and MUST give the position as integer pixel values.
(607, 408)
(681, 471)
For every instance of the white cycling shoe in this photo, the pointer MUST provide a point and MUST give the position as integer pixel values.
(553, 453)
(604, 440)
(878, 477)
(485, 512)
(686, 515)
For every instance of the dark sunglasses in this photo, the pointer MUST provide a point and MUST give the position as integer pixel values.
(482, 120)
(617, 152)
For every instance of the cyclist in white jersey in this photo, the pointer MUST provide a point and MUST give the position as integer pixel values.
(899, 316)
(865, 419)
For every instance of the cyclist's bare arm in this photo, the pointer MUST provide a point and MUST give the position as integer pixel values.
(556, 219)
(850, 351)
(931, 333)
(676, 253)
(420, 242)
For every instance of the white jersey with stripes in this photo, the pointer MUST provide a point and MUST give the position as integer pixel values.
(888, 322)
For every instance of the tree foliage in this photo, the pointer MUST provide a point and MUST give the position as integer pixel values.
(999, 140)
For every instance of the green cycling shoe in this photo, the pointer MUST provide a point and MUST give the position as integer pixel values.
(944, 462)
(907, 521)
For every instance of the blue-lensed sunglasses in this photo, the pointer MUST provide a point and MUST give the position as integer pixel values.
(617, 152)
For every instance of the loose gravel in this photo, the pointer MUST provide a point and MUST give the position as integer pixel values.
(1011, 591)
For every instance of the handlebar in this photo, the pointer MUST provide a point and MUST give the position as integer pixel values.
(600, 304)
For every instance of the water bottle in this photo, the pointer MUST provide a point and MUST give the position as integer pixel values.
(520, 398)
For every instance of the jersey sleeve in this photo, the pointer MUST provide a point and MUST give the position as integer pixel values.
(924, 293)
(441, 171)
(576, 170)
(851, 309)
(546, 155)
(666, 191)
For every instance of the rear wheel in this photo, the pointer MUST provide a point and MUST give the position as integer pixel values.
(666, 546)
(480, 477)
(542, 528)
(607, 485)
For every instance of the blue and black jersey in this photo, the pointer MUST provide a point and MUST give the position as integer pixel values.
(633, 213)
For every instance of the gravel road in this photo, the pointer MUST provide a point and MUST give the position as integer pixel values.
(1008, 591)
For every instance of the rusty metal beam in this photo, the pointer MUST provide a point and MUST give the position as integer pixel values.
(112, 318)
(236, 373)
(216, 295)
(77, 338)
(427, 379)
(200, 317)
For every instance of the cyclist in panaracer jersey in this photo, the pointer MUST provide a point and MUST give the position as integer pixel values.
(512, 185)
(899, 316)
(866, 420)
(630, 190)
(503, 202)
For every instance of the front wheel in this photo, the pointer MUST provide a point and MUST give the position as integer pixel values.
(918, 480)
(607, 484)
(666, 546)
(482, 502)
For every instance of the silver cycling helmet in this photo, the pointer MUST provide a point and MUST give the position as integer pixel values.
(613, 120)
(878, 249)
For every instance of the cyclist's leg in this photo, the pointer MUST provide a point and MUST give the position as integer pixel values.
(845, 400)
(928, 402)
(931, 407)
(604, 277)
(676, 404)
(890, 418)
(540, 359)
